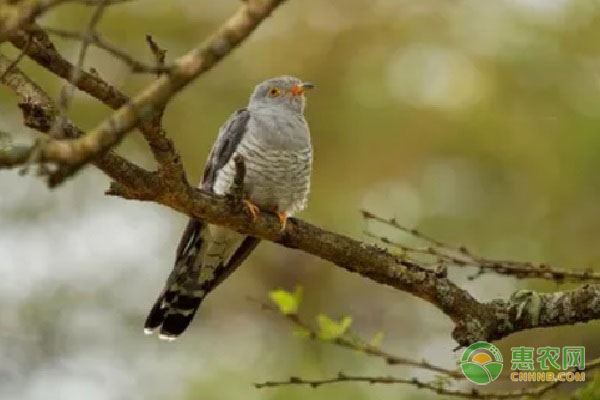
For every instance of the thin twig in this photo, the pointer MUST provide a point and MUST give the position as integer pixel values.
(93, 38)
(535, 392)
(16, 61)
(462, 257)
(159, 54)
(67, 91)
(432, 386)
(87, 38)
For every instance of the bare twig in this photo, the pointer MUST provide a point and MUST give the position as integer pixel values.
(535, 392)
(159, 54)
(65, 96)
(460, 256)
(87, 37)
(432, 386)
(15, 62)
(93, 38)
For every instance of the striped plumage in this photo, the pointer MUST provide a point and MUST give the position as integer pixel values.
(272, 136)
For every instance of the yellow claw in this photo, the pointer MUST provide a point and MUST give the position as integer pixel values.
(282, 220)
(252, 209)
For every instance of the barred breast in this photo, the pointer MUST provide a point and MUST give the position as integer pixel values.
(278, 158)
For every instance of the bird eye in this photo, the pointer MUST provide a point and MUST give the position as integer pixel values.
(274, 92)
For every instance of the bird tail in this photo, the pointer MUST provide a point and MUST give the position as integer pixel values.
(206, 256)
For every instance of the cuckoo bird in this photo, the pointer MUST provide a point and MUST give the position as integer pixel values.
(272, 137)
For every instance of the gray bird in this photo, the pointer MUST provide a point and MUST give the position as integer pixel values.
(273, 138)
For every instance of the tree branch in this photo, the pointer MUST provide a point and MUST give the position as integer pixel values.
(39, 113)
(348, 340)
(76, 152)
(474, 320)
(536, 392)
(446, 254)
(95, 39)
(37, 45)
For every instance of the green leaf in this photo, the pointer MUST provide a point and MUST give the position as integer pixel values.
(287, 302)
(330, 329)
(377, 340)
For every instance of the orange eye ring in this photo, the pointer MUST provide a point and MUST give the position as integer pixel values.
(274, 92)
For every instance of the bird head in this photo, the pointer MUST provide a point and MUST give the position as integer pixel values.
(281, 93)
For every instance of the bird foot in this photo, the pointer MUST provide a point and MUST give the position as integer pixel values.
(282, 221)
(252, 209)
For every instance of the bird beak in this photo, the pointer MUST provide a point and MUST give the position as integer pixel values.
(301, 88)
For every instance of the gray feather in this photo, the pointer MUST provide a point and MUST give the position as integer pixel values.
(227, 141)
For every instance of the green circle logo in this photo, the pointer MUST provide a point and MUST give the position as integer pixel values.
(481, 363)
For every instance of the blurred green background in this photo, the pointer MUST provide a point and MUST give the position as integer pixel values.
(475, 121)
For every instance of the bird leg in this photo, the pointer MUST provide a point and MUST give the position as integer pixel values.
(252, 209)
(282, 220)
(237, 188)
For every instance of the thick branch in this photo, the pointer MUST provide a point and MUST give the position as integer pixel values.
(473, 320)
(527, 309)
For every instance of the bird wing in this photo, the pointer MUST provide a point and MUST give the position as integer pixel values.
(230, 135)
(192, 279)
